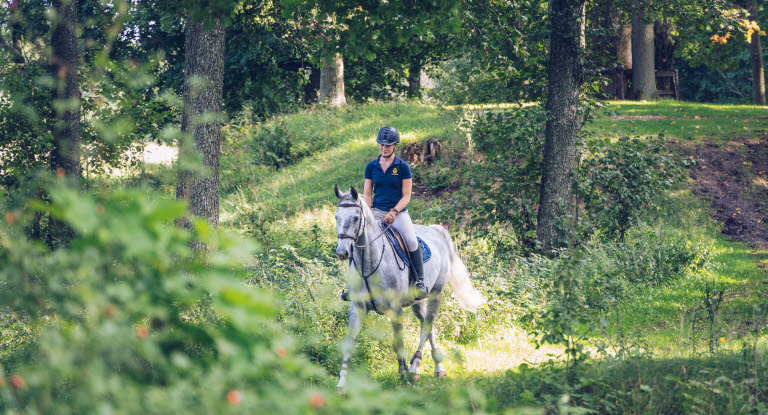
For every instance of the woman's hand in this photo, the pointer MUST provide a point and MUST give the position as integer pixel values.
(390, 216)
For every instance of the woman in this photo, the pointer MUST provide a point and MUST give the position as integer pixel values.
(387, 191)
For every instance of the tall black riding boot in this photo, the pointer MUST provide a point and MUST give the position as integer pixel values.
(418, 265)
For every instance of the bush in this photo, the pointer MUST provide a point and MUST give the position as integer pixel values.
(503, 186)
(139, 323)
(621, 181)
(271, 145)
(649, 257)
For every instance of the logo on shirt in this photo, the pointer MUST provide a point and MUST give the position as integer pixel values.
(394, 171)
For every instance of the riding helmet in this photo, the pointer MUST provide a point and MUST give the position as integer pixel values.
(388, 136)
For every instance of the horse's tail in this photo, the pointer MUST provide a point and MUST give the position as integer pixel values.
(469, 299)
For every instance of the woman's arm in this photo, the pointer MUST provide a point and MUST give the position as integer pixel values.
(407, 186)
(368, 192)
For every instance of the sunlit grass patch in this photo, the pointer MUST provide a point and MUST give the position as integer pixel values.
(679, 120)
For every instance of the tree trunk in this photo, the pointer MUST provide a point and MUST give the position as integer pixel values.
(332, 79)
(14, 46)
(756, 56)
(643, 65)
(664, 46)
(564, 71)
(625, 46)
(414, 78)
(65, 94)
(203, 84)
(311, 89)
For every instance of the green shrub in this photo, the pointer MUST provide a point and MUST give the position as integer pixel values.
(502, 186)
(271, 145)
(139, 323)
(621, 181)
(649, 257)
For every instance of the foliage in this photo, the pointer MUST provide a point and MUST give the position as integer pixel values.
(649, 257)
(623, 180)
(501, 54)
(129, 293)
(710, 84)
(462, 81)
(503, 185)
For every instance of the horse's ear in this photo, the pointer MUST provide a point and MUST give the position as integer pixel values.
(354, 192)
(336, 190)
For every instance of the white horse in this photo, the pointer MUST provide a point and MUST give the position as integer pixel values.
(379, 281)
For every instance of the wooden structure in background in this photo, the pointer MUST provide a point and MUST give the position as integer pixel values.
(666, 83)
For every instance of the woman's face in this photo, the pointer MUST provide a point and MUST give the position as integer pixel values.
(387, 150)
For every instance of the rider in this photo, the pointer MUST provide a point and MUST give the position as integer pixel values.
(388, 178)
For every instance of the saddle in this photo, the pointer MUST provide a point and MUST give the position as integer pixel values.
(398, 245)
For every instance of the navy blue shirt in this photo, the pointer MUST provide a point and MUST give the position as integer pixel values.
(387, 185)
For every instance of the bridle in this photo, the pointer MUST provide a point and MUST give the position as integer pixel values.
(360, 228)
(360, 225)
(359, 233)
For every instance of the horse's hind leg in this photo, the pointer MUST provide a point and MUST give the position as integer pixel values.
(432, 307)
(356, 316)
(420, 310)
(397, 327)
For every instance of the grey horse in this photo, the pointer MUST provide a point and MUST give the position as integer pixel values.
(379, 281)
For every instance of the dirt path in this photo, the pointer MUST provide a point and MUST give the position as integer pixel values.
(734, 177)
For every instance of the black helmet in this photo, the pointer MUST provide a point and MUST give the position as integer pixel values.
(388, 136)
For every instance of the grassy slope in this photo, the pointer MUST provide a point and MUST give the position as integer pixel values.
(301, 193)
(680, 120)
(662, 318)
(300, 196)
(351, 137)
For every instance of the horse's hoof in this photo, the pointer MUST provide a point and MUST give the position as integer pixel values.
(416, 377)
(341, 391)
(440, 374)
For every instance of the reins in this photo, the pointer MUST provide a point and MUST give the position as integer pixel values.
(360, 232)
(362, 224)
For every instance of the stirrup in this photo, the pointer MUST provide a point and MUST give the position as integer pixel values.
(423, 290)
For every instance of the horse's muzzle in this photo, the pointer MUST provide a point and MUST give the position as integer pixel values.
(342, 253)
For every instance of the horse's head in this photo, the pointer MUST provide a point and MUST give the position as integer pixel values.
(349, 220)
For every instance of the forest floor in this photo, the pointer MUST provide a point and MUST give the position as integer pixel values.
(733, 177)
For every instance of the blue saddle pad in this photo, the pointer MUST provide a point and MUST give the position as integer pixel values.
(426, 253)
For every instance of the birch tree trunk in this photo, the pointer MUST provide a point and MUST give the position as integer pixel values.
(200, 122)
(332, 79)
(564, 71)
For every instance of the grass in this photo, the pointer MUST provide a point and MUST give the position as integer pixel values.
(679, 120)
(351, 132)
(501, 368)
(666, 320)
(299, 197)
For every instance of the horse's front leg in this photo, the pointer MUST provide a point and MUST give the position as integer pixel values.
(420, 310)
(402, 357)
(357, 313)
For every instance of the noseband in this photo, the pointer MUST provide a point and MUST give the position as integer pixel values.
(354, 238)
(359, 225)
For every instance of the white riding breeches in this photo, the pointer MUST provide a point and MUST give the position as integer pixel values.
(402, 223)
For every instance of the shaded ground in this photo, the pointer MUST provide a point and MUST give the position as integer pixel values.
(733, 176)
